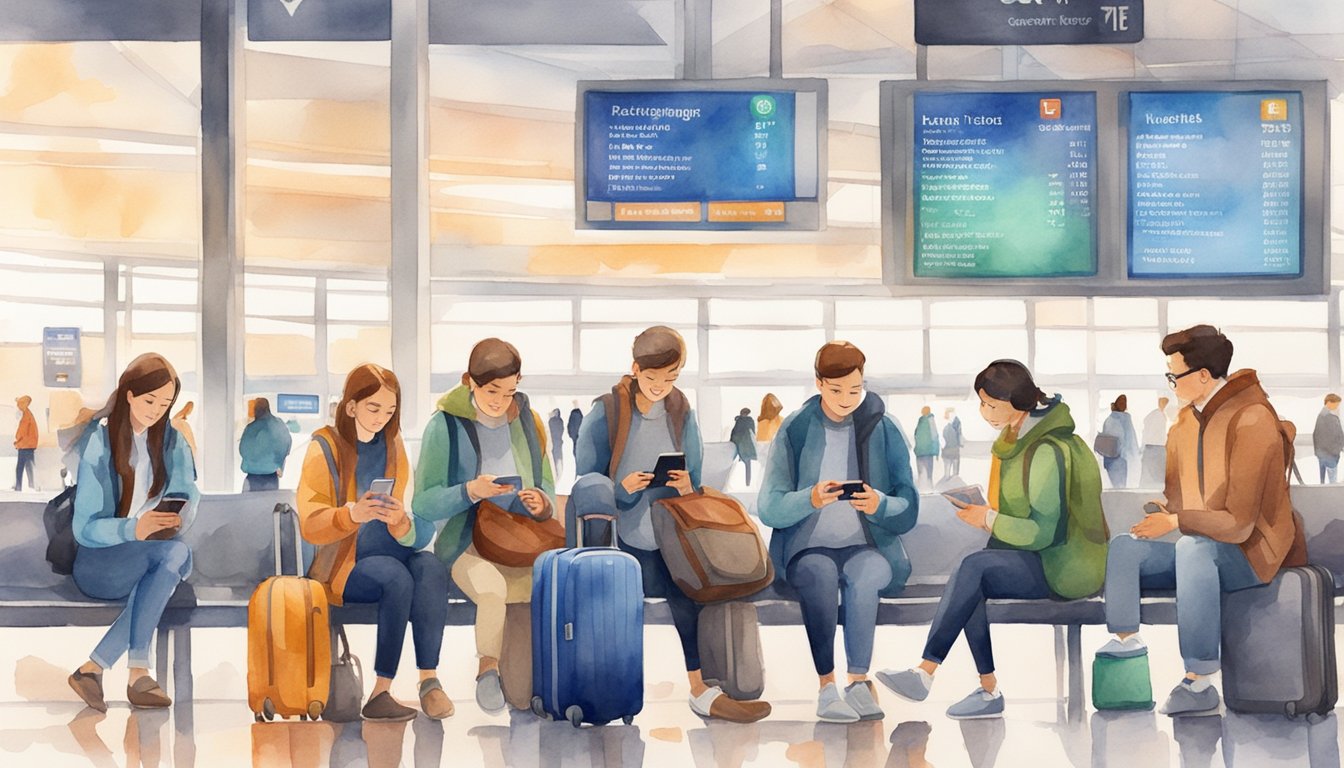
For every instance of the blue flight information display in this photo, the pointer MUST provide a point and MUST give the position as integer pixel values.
(691, 156)
(1215, 184)
(1004, 184)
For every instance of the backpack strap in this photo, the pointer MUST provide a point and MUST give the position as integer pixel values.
(338, 488)
(797, 434)
(534, 438)
(469, 427)
(1062, 526)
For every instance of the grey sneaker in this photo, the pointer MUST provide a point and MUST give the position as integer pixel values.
(908, 684)
(1128, 648)
(862, 698)
(489, 692)
(1185, 702)
(831, 708)
(977, 706)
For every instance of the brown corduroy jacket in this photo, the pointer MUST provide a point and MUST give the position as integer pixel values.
(1227, 476)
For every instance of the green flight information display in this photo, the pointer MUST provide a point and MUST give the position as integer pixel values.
(1004, 184)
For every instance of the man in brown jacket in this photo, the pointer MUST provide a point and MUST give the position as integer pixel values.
(1227, 493)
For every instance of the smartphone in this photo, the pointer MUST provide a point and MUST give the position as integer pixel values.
(971, 495)
(171, 504)
(516, 481)
(667, 463)
(1151, 508)
(849, 488)
(382, 486)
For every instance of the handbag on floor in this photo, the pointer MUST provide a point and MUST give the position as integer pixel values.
(346, 698)
(1121, 683)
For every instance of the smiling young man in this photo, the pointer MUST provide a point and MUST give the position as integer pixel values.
(1227, 494)
(827, 546)
(619, 442)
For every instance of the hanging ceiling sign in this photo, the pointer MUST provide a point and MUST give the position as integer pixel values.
(1028, 22)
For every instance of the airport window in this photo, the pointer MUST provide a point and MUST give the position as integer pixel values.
(964, 351)
(729, 312)
(878, 313)
(1125, 313)
(1129, 353)
(761, 351)
(1060, 352)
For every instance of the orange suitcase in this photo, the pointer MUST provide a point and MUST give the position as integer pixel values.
(288, 641)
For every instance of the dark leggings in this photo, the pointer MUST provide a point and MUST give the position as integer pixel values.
(414, 590)
(685, 611)
(989, 573)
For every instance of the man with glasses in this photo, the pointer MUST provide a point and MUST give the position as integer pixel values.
(1226, 495)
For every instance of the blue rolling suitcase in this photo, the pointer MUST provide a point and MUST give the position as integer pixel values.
(587, 636)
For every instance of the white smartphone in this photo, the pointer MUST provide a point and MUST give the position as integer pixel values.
(383, 486)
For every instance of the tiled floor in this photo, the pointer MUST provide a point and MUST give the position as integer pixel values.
(218, 730)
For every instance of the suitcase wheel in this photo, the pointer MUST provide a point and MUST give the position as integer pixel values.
(574, 715)
(628, 719)
(539, 708)
(268, 709)
(315, 709)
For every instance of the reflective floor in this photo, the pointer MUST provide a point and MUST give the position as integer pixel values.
(1036, 731)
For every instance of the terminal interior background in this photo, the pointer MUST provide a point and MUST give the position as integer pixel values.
(101, 221)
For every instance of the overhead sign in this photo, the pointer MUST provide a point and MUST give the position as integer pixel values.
(301, 404)
(1028, 22)
(61, 362)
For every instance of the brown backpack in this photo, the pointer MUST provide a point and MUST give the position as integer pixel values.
(713, 550)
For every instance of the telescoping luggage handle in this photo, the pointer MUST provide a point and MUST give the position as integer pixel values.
(280, 509)
(578, 523)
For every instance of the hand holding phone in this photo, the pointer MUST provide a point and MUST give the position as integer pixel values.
(966, 496)
(667, 463)
(848, 488)
(383, 486)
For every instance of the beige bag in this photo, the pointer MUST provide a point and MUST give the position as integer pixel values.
(711, 546)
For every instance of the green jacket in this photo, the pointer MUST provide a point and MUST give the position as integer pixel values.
(1050, 502)
(448, 461)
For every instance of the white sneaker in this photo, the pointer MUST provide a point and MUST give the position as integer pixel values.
(832, 707)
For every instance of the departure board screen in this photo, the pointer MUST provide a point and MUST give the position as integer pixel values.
(1004, 184)
(711, 158)
(1215, 184)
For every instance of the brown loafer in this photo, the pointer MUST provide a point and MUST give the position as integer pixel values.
(146, 694)
(387, 709)
(89, 686)
(724, 707)
(434, 702)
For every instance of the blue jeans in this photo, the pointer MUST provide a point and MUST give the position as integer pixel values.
(145, 574)
(1198, 568)
(990, 573)
(25, 463)
(822, 577)
(1118, 469)
(413, 590)
(269, 482)
(595, 494)
(1329, 469)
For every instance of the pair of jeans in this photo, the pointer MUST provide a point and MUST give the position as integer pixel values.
(409, 587)
(1198, 568)
(595, 494)
(1329, 470)
(1118, 469)
(925, 466)
(25, 464)
(269, 482)
(145, 574)
(1014, 574)
(829, 580)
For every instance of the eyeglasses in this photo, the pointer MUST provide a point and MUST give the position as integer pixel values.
(1172, 377)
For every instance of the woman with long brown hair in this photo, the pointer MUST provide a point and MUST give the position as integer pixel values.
(131, 468)
(368, 544)
(769, 419)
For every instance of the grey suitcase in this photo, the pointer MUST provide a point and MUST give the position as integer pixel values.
(1279, 645)
(730, 649)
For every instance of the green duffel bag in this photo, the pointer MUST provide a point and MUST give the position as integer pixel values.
(1121, 683)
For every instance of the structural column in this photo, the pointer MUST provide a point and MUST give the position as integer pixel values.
(410, 267)
(222, 122)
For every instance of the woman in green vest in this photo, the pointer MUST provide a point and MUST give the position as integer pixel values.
(1047, 534)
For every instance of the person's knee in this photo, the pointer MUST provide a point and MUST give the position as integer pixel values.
(1194, 548)
(175, 556)
(870, 572)
(428, 571)
(811, 573)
